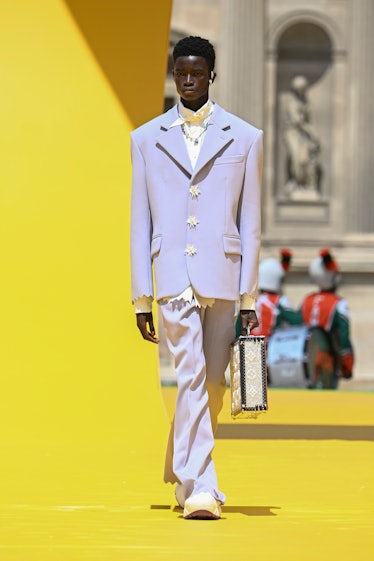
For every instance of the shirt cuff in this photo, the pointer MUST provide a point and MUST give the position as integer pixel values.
(143, 305)
(247, 302)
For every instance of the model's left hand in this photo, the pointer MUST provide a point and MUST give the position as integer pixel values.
(249, 320)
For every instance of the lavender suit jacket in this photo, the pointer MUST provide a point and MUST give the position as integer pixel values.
(226, 239)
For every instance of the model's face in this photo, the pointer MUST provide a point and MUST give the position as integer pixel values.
(191, 77)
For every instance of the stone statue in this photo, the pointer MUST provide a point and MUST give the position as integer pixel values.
(303, 148)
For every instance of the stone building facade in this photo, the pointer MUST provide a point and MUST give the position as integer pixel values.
(262, 45)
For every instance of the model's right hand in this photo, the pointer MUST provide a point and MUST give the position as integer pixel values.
(145, 321)
(249, 320)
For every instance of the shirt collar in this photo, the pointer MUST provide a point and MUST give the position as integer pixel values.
(193, 117)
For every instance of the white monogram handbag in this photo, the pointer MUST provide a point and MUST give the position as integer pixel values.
(248, 377)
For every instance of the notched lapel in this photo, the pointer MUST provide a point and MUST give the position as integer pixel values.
(215, 142)
(172, 142)
(218, 137)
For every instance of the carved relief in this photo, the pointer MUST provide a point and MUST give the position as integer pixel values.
(303, 165)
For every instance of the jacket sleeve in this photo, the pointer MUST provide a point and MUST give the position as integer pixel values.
(141, 227)
(250, 218)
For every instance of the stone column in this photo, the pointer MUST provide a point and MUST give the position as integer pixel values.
(360, 207)
(241, 59)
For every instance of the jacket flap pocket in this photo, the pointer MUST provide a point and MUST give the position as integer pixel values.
(232, 244)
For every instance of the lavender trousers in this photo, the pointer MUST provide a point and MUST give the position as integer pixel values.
(199, 339)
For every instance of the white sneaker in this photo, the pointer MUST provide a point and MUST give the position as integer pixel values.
(179, 494)
(202, 506)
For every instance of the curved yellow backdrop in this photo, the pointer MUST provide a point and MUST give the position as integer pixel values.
(75, 80)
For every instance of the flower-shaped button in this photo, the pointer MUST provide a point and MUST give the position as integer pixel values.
(192, 221)
(195, 191)
(190, 250)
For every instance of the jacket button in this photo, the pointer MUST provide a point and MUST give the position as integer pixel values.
(194, 191)
(192, 222)
(190, 250)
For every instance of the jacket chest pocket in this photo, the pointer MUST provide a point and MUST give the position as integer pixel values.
(229, 160)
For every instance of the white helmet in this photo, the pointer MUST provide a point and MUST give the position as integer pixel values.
(270, 275)
(324, 272)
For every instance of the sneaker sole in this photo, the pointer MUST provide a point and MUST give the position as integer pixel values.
(202, 515)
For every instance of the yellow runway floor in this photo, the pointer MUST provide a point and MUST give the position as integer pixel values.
(299, 484)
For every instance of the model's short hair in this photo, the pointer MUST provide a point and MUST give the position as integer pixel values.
(195, 46)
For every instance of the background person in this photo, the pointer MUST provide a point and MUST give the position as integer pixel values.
(273, 307)
(330, 351)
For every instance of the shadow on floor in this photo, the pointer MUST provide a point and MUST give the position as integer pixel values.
(246, 510)
(295, 432)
